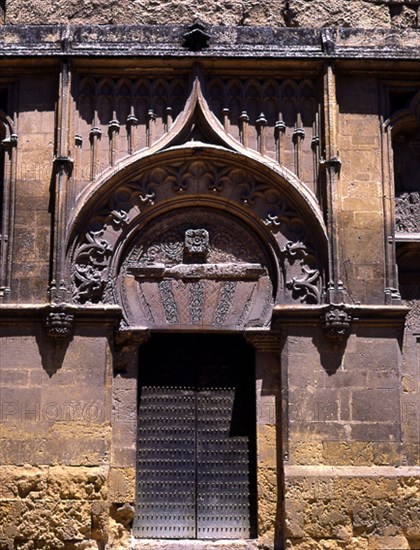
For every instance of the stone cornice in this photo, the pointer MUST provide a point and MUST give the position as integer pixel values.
(26, 314)
(376, 315)
(287, 314)
(224, 41)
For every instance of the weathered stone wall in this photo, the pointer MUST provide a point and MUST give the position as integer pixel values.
(36, 125)
(54, 439)
(338, 422)
(352, 508)
(360, 193)
(351, 477)
(291, 13)
(344, 401)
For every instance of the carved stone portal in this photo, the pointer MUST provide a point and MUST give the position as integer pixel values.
(98, 253)
(203, 270)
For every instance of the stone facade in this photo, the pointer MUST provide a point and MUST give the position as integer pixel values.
(242, 170)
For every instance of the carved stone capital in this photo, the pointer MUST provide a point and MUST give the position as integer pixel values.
(268, 341)
(95, 132)
(315, 142)
(336, 321)
(298, 134)
(261, 120)
(114, 126)
(280, 126)
(132, 120)
(59, 322)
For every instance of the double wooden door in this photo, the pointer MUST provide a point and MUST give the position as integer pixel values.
(196, 438)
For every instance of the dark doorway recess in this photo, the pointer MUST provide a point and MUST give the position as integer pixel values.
(196, 471)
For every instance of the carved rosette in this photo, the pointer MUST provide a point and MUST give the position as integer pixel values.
(336, 322)
(97, 270)
(59, 322)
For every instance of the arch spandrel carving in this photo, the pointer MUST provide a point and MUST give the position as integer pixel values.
(108, 262)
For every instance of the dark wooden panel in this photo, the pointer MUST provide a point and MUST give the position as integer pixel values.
(196, 441)
(223, 476)
(166, 474)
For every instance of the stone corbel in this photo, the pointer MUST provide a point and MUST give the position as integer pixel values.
(333, 163)
(63, 165)
(267, 341)
(126, 338)
(59, 322)
(336, 322)
(10, 141)
(196, 39)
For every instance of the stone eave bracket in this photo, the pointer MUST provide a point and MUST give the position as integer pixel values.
(336, 321)
(196, 39)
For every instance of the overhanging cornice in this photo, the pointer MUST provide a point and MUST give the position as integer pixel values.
(225, 41)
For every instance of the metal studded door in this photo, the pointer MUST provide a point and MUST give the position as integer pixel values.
(196, 439)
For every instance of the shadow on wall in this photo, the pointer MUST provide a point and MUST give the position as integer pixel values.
(331, 352)
(52, 351)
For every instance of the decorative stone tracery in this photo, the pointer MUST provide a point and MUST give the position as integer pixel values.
(203, 246)
(200, 232)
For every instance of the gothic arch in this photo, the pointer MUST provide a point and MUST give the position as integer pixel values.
(258, 243)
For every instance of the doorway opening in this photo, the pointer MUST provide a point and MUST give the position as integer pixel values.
(196, 471)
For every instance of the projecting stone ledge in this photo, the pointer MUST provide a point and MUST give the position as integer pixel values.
(234, 41)
(146, 544)
(199, 271)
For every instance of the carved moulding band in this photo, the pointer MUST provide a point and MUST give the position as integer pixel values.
(95, 257)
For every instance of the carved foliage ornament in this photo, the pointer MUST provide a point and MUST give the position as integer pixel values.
(92, 280)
